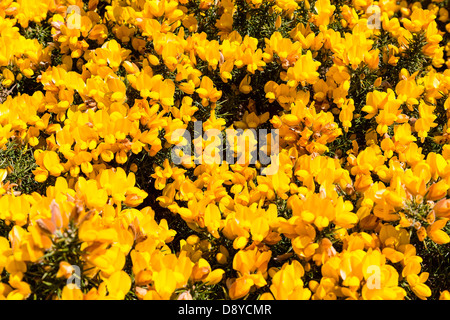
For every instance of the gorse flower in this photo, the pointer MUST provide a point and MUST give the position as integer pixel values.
(349, 102)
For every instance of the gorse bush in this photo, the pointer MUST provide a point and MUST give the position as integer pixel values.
(354, 100)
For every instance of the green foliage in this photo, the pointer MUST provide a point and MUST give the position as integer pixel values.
(436, 261)
(20, 158)
(42, 276)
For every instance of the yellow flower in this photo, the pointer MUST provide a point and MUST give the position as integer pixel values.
(71, 292)
(49, 163)
(437, 190)
(417, 285)
(324, 11)
(425, 122)
(8, 78)
(436, 233)
(214, 277)
(418, 20)
(207, 92)
(445, 295)
(245, 86)
(5, 251)
(118, 285)
(287, 283)
(304, 70)
(251, 121)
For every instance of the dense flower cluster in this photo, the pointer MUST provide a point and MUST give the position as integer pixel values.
(96, 90)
